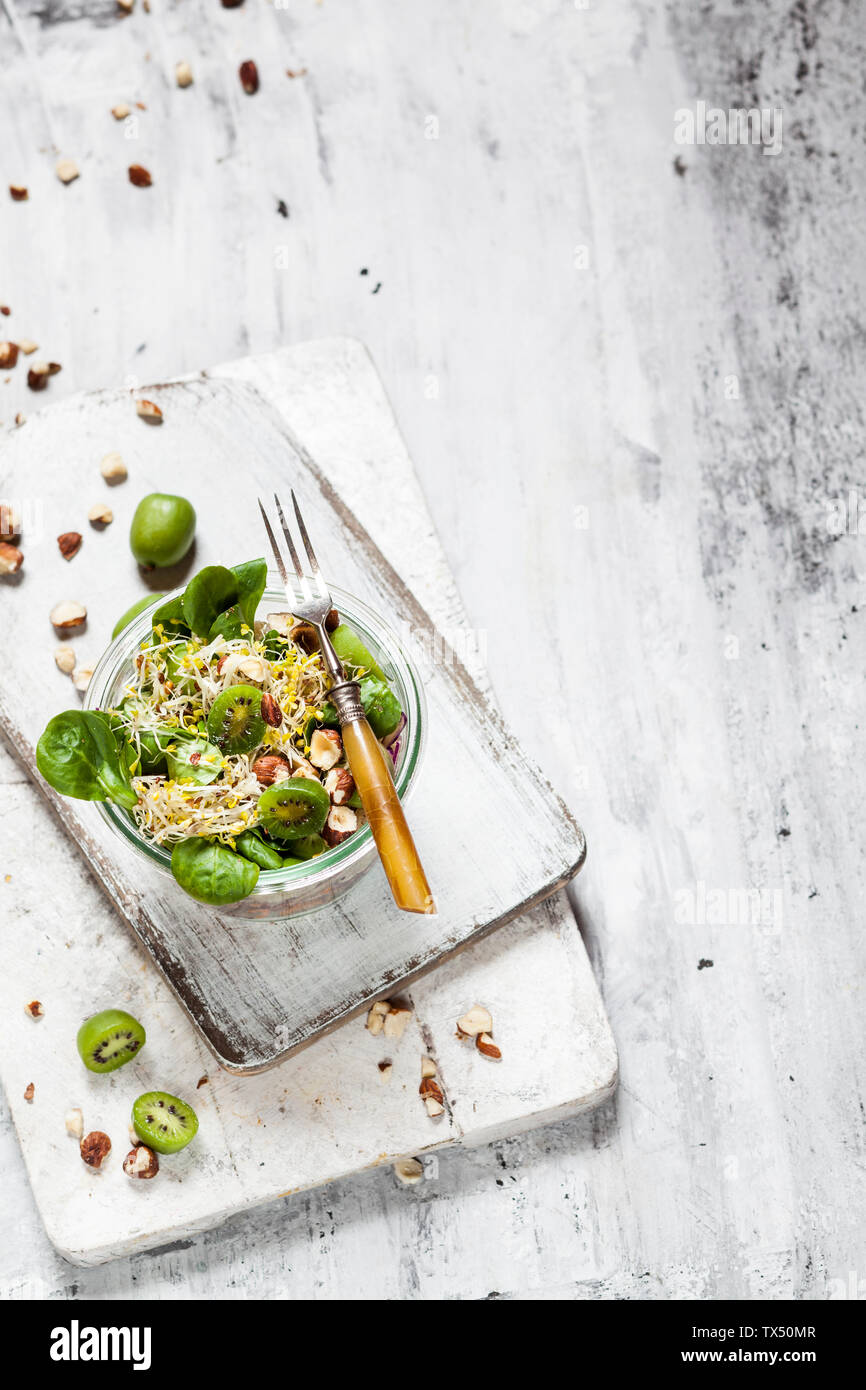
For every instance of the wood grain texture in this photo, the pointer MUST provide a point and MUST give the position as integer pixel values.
(325, 1114)
(493, 834)
(730, 1162)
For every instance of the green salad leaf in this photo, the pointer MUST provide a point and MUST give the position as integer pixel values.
(208, 593)
(80, 756)
(194, 760)
(212, 872)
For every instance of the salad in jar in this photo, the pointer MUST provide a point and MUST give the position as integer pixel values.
(224, 747)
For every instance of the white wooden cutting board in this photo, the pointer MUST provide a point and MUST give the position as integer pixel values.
(325, 1112)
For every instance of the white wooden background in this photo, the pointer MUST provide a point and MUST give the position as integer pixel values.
(632, 396)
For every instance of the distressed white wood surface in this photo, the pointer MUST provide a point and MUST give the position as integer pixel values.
(494, 837)
(327, 1112)
(729, 1163)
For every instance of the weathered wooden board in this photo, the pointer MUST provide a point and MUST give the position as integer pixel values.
(494, 838)
(324, 1112)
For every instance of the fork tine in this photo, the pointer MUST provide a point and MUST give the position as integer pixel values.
(308, 546)
(302, 578)
(274, 547)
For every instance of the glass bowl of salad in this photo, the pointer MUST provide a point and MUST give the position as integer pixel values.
(208, 741)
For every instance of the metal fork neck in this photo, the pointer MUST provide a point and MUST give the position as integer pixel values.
(345, 695)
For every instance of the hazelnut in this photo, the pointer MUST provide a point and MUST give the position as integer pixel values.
(341, 823)
(11, 558)
(113, 469)
(434, 1107)
(428, 1068)
(82, 676)
(487, 1047)
(34, 1009)
(37, 376)
(8, 355)
(304, 635)
(408, 1171)
(120, 111)
(95, 1148)
(395, 1021)
(476, 1020)
(66, 170)
(18, 193)
(271, 712)
(249, 75)
(146, 410)
(140, 176)
(301, 768)
(253, 669)
(69, 543)
(27, 346)
(332, 621)
(126, 6)
(183, 74)
(340, 785)
(376, 1016)
(326, 748)
(64, 659)
(74, 1121)
(100, 514)
(429, 1087)
(141, 1162)
(273, 767)
(280, 622)
(68, 614)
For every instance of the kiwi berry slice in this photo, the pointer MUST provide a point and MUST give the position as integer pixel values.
(235, 721)
(163, 1122)
(351, 650)
(295, 808)
(109, 1040)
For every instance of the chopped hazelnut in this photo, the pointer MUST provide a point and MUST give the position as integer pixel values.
(34, 1009)
(183, 74)
(27, 346)
(113, 469)
(100, 514)
(69, 544)
(64, 659)
(408, 1171)
(82, 676)
(8, 355)
(249, 75)
(67, 170)
(120, 111)
(395, 1020)
(11, 558)
(74, 1121)
(18, 193)
(95, 1148)
(29, 1093)
(139, 176)
(476, 1020)
(68, 614)
(141, 1162)
(147, 410)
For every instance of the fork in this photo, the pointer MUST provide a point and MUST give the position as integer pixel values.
(368, 761)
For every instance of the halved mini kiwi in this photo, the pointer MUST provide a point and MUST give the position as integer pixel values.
(109, 1040)
(163, 1122)
(293, 809)
(235, 721)
(350, 649)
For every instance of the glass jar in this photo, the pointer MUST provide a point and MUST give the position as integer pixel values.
(292, 891)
